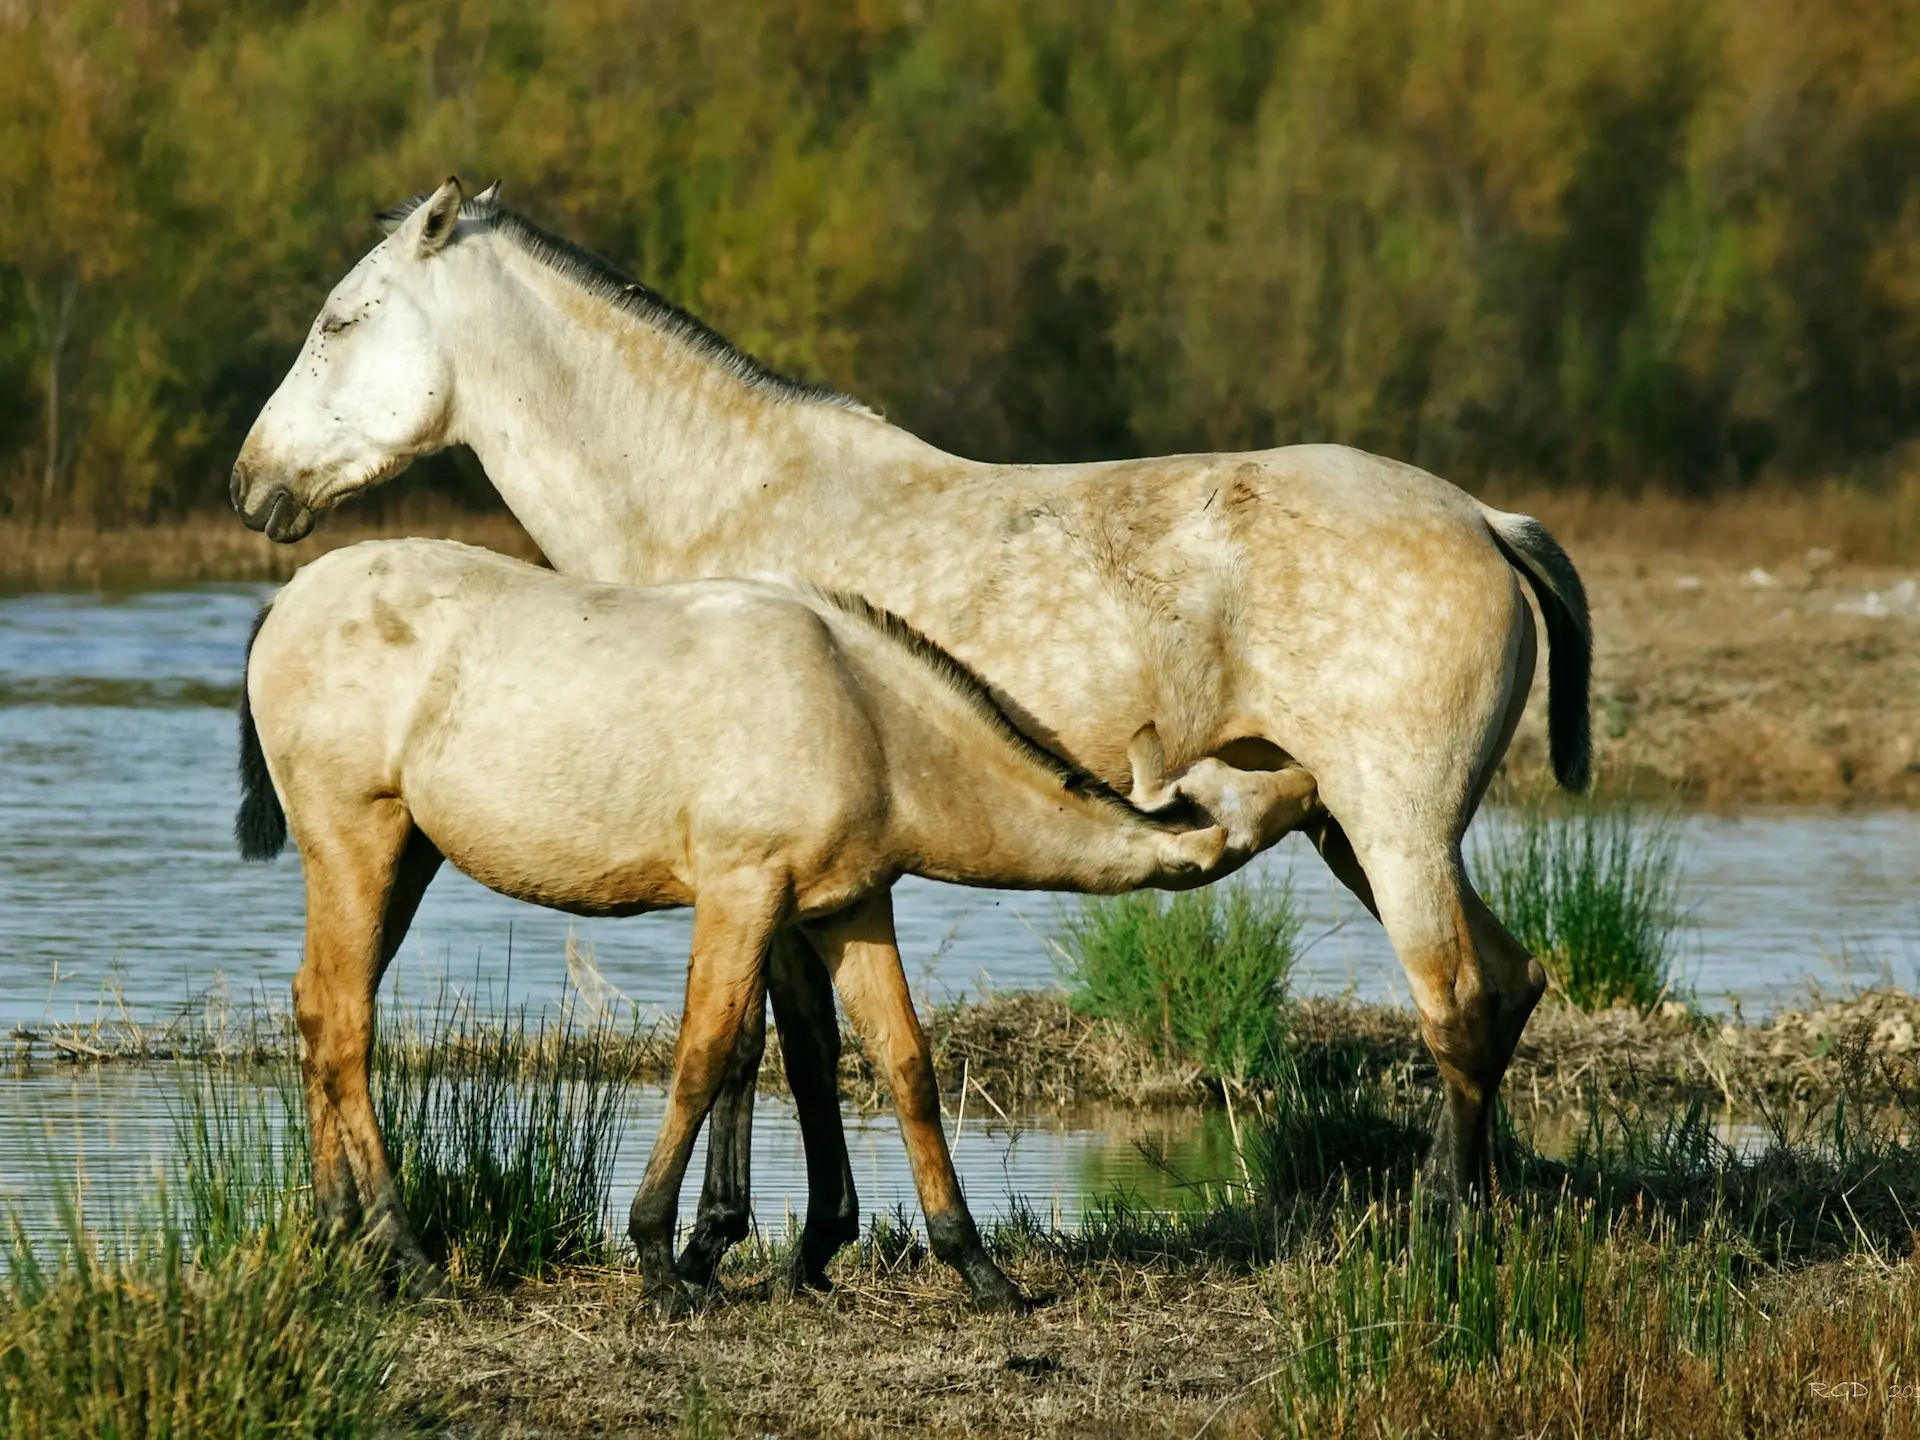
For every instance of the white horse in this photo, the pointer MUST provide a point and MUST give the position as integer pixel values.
(1354, 625)
(764, 751)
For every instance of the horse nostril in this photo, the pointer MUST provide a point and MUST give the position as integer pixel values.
(237, 488)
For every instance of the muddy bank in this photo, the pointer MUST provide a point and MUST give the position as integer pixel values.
(1032, 1052)
(1121, 1349)
(1723, 682)
(214, 547)
(1140, 1345)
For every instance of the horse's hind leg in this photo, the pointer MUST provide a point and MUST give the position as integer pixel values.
(803, 1010)
(363, 882)
(861, 952)
(726, 1198)
(726, 982)
(336, 1195)
(1474, 986)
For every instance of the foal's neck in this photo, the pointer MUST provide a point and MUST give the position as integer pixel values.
(631, 455)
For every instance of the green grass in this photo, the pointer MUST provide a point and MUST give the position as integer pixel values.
(220, 1316)
(1592, 890)
(1650, 1278)
(240, 1136)
(1199, 975)
(220, 1313)
(1337, 1127)
(503, 1168)
(150, 1336)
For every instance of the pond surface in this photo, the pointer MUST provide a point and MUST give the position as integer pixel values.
(119, 887)
(119, 883)
(109, 1131)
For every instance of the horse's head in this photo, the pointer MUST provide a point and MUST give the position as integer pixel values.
(372, 387)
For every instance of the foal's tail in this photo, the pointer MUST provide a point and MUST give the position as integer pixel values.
(261, 825)
(1563, 602)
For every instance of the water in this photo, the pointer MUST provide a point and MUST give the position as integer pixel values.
(108, 1132)
(119, 886)
(118, 881)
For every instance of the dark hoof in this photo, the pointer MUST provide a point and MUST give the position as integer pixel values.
(1000, 1296)
(697, 1271)
(799, 1275)
(670, 1302)
(420, 1281)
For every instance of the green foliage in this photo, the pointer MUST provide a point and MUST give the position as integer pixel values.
(503, 1167)
(1200, 974)
(1603, 239)
(152, 1335)
(1338, 1129)
(1590, 889)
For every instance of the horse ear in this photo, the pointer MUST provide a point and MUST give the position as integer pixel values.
(437, 218)
(488, 197)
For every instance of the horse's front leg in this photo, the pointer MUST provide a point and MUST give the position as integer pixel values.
(810, 1050)
(861, 953)
(726, 983)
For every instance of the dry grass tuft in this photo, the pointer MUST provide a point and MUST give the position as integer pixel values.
(216, 547)
(1767, 525)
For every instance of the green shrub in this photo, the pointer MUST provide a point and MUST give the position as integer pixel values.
(1198, 975)
(1591, 891)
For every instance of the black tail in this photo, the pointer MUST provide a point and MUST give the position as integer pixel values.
(1563, 605)
(261, 825)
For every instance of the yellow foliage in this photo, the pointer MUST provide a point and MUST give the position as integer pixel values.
(1621, 241)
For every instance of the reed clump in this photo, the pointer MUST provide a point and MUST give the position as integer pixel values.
(504, 1170)
(158, 1333)
(1592, 890)
(1200, 974)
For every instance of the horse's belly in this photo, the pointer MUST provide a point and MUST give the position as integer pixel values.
(586, 855)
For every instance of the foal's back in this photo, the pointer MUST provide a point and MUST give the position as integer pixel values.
(591, 747)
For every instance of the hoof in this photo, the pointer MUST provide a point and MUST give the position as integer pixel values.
(1003, 1302)
(1000, 1296)
(697, 1271)
(670, 1302)
(799, 1274)
(422, 1281)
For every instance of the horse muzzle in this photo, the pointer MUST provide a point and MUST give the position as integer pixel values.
(280, 517)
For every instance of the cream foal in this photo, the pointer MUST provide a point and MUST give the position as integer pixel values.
(765, 751)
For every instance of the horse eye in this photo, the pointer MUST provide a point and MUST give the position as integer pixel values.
(333, 325)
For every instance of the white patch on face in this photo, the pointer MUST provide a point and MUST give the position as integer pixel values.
(369, 391)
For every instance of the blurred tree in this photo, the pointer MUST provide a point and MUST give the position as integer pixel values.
(1607, 241)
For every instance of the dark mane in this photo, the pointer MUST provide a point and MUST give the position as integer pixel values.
(595, 275)
(968, 685)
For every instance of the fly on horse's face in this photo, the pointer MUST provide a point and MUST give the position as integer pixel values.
(370, 391)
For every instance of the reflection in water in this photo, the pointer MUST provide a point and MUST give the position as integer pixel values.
(110, 1129)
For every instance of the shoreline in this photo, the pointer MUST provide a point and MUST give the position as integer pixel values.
(1029, 1053)
(1737, 663)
